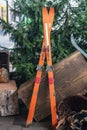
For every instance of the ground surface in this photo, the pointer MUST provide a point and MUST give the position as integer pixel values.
(18, 123)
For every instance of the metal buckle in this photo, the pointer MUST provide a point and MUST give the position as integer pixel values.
(39, 67)
(49, 68)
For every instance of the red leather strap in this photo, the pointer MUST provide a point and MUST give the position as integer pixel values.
(51, 81)
(37, 80)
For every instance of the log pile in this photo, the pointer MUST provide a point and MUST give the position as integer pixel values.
(70, 79)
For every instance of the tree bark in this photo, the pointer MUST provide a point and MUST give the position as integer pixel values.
(8, 99)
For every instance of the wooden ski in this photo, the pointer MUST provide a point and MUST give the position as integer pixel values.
(45, 53)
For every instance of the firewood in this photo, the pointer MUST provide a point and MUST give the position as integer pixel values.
(4, 75)
(72, 113)
(72, 104)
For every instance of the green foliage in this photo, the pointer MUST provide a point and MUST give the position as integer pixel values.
(28, 32)
(79, 24)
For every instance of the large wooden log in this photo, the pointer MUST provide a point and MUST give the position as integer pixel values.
(8, 99)
(70, 79)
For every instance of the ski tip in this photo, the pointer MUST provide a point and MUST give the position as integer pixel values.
(54, 126)
(28, 123)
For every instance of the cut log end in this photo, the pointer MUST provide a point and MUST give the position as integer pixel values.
(8, 99)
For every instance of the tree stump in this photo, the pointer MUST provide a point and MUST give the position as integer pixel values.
(8, 99)
(70, 79)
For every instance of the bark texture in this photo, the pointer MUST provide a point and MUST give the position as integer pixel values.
(8, 99)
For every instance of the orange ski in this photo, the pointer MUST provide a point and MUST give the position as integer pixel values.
(45, 53)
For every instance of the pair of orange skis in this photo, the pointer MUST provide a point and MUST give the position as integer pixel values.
(45, 53)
